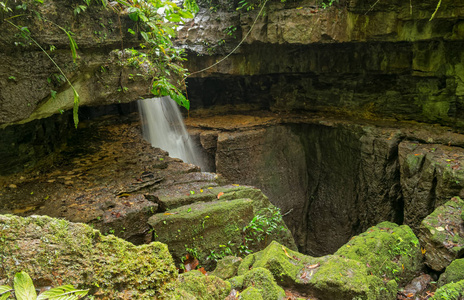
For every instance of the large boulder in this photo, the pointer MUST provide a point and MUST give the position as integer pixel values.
(221, 218)
(195, 285)
(55, 252)
(328, 277)
(388, 250)
(442, 234)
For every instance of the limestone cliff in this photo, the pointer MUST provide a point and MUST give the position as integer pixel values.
(383, 58)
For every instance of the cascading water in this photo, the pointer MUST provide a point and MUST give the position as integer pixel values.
(163, 126)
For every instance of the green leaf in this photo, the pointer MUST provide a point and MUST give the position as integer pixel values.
(130, 31)
(145, 36)
(24, 287)
(76, 107)
(5, 291)
(65, 292)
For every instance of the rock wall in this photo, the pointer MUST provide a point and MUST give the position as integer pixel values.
(362, 58)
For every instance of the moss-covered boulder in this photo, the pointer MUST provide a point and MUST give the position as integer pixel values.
(453, 273)
(442, 235)
(55, 252)
(287, 266)
(203, 287)
(218, 220)
(263, 280)
(343, 278)
(227, 267)
(328, 277)
(387, 250)
(450, 291)
(251, 293)
(236, 282)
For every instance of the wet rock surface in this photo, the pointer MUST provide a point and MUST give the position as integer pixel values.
(112, 179)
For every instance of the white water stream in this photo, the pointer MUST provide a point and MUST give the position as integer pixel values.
(163, 126)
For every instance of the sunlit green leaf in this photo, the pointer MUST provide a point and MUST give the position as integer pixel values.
(24, 287)
(65, 292)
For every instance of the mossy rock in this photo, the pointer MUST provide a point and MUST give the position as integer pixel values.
(285, 265)
(59, 252)
(227, 267)
(263, 280)
(441, 234)
(236, 282)
(453, 273)
(387, 250)
(204, 226)
(251, 293)
(203, 287)
(450, 291)
(342, 278)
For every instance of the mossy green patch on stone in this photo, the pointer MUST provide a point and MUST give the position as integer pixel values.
(453, 273)
(251, 293)
(450, 291)
(263, 280)
(227, 267)
(441, 235)
(284, 264)
(343, 278)
(71, 253)
(203, 287)
(388, 250)
(203, 226)
(236, 282)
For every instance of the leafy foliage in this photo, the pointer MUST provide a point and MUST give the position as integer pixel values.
(24, 290)
(156, 22)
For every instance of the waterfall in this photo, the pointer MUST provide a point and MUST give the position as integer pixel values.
(163, 126)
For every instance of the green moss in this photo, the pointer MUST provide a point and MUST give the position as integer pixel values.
(236, 282)
(450, 291)
(453, 273)
(389, 251)
(203, 287)
(342, 278)
(251, 293)
(263, 280)
(284, 264)
(442, 246)
(76, 254)
(227, 267)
